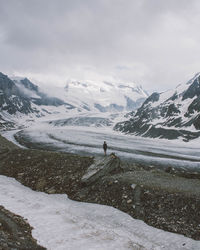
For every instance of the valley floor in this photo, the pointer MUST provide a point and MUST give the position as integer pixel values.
(168, 201)
(88, 141)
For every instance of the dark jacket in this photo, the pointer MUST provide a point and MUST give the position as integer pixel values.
(105, 146)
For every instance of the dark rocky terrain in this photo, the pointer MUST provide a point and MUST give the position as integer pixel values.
(11, 99)
(15, 232)
(168, 199)
(170, 115)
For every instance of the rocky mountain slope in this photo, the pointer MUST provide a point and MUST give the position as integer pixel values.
(31, 91)
(11, 98)
(172, 114)
(20, 98)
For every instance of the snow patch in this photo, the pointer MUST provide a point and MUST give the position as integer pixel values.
(60, 223)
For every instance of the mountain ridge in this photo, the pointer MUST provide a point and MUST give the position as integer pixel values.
(172, 114)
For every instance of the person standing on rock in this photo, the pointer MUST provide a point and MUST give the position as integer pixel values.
(105, 147)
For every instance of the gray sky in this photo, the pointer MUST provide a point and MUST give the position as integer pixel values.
(155, 43)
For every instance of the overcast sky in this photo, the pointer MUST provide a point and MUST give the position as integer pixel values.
(154, 43)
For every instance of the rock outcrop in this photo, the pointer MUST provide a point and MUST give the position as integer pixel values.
(102, 167)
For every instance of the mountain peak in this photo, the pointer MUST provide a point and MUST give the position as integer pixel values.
(3, 76)
(196, 76)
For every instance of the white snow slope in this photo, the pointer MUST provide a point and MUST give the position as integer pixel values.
(60, 223)
(89, 93)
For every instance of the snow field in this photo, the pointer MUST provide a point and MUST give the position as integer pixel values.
(88, 140)
(60, 223)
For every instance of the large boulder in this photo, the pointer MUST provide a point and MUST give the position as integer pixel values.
(102, 167)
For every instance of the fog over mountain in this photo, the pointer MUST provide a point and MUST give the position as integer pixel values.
(19, 98)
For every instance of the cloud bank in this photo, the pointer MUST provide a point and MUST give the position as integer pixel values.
(154, 43)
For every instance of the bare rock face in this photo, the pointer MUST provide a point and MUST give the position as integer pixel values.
(11, 99)
(101, 167)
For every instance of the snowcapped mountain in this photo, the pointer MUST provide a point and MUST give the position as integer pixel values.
(105, 96)
(11, 98)
(100, 103)
(12, 102)
(31, 91)
(19, 97)
(171, 114)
